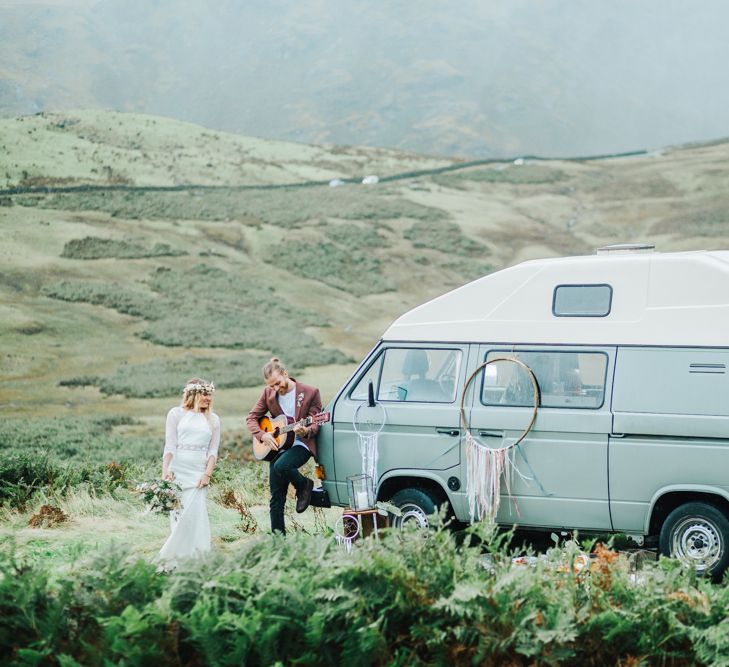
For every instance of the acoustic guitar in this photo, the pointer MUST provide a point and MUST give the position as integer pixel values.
(282, 429)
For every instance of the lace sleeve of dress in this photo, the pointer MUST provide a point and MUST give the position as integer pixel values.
(173, 419)
(215, 438)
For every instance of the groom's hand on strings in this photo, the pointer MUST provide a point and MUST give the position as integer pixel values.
(268, 440)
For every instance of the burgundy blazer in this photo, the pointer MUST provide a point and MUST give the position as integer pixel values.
(308, 403)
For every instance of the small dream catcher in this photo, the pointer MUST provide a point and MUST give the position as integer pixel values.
(368, 421)
(485, 466)
(346, 530)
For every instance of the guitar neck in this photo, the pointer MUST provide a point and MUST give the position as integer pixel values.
(291, 427)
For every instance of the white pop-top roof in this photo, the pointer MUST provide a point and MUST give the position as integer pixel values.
(678, 298)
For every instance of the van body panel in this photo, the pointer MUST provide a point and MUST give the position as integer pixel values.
(666, 299)
(563, 462)
(325, 451)
(643, 467)
(645, 423)
(671, 380)
(415, 431)
(703, 490)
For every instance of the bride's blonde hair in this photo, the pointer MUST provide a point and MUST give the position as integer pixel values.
(195, 389)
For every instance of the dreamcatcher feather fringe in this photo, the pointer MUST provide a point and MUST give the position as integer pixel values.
(484, 469)
(368, 449)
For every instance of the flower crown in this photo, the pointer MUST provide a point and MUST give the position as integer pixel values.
(208, 387)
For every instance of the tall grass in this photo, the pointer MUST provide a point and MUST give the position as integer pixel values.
(67, 439)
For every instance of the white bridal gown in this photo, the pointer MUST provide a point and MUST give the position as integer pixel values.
(191, 440)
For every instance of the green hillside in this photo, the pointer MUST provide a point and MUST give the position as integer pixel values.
(110, 299)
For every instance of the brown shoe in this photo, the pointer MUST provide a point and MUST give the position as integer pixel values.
(304, 498)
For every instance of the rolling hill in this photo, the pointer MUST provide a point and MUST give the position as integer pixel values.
(111, 296)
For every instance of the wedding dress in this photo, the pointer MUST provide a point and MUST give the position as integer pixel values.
(191, 440)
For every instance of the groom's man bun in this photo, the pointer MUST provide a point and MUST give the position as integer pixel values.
(273, 366)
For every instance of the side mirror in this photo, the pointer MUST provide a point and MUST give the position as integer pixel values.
(370, 395)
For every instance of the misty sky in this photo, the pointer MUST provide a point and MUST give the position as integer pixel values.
(469, 78)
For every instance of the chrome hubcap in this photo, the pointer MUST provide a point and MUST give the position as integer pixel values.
(697, 542)
(412, 517)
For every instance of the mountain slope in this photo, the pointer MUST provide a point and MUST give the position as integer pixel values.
(471, 79)
(110, 299)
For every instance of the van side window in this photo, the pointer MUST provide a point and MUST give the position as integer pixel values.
(359, 391)
(566, 379)
(419, 375)
(582, 300)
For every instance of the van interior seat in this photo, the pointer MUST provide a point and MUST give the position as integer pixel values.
(415, 386)
(416, 363)
(424, 390)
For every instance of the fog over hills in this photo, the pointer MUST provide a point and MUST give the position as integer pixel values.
(472, 78)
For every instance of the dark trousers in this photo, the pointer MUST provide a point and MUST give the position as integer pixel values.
(284, 470)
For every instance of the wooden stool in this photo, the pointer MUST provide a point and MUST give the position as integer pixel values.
(368, 522)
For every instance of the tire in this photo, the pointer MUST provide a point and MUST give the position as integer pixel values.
(416, 505)
(697, 534)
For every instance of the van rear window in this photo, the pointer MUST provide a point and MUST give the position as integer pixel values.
(582, 300)
(566, 379)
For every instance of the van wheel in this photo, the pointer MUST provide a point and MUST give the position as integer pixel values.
(697, 534)
(415, 505)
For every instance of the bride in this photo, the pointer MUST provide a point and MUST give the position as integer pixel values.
(192, 438)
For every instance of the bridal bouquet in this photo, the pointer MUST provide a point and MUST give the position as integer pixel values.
(162, 496)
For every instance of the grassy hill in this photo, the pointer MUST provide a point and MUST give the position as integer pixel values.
(109, 300)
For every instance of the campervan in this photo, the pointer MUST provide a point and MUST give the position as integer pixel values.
(629, 348)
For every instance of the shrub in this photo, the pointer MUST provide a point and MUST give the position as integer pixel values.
(446, 237)
(518, 175)
(94, 247)
(401, 599)
(165, 377)
(354, 271)
(206, 306)
(354, 236)
(71, 439)
(286, 207)
(22, 475)
(124, 299)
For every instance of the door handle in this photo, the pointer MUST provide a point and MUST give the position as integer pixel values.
(453, 432)
(491, 434)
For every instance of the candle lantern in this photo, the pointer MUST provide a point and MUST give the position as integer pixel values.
(361, 492)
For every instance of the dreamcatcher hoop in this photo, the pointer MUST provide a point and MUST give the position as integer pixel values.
(535, 388)
(346, 531)
(363, 432)
(485, 466)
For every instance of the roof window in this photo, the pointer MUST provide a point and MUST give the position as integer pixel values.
(582, 300)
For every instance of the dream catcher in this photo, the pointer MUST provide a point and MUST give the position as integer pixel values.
(487, 466)
(368, 421)
(346, 531)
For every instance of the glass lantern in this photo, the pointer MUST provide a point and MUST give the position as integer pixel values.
(361, 492)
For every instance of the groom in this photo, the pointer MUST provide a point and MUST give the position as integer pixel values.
(284, 395)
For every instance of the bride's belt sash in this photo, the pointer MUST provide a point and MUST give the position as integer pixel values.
(193, 448)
